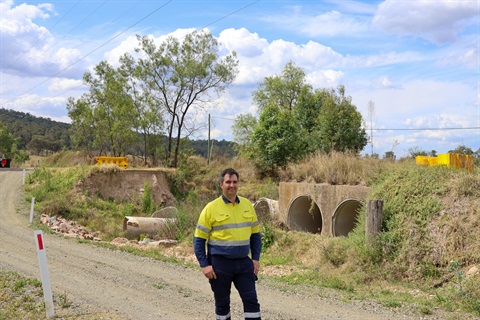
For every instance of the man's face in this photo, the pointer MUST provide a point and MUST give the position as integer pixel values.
(229, 185)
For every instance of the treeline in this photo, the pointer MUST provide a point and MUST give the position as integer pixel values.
(42, 136)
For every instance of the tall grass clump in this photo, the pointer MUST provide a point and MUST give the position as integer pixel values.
(336, 168)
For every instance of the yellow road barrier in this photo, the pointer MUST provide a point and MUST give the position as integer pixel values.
(119, 161)
(451, 160)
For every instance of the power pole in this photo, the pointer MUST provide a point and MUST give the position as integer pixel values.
(208, 145)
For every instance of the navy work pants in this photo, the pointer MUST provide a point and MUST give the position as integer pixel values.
(240, 273)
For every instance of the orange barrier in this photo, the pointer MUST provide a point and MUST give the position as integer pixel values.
(451, 160)
(119, 161)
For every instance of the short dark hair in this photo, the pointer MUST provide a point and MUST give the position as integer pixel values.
(230, 172)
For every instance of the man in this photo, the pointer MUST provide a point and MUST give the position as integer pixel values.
(230, 227)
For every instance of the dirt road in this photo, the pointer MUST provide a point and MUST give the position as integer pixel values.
(132, 287)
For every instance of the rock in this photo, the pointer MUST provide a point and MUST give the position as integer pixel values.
(119, 240)
(472, 271)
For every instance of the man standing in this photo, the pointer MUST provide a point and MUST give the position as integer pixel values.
(231, 230)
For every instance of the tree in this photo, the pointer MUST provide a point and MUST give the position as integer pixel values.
(82, 126)
(149, 120)
(7, 142)
(182, 76)
(283, 90)
(276, 139)
(43, 143)
(104, 118)
(243, 129)
(462, 150)
(340, 123)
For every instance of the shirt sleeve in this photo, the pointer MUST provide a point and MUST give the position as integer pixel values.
(200, 252)
(256, 245)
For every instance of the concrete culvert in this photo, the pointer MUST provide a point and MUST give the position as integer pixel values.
(345, 217)
(135, 226)
(304, 215)
(266, 209)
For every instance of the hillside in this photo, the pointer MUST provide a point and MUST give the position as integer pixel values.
(36, 132)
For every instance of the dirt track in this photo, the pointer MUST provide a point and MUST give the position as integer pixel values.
(130, 287)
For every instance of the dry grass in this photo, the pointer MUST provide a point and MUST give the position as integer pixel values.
(335, 169)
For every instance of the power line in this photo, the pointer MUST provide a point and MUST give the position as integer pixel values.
(230, 14)
(41, 37)
(100, 46)
(427, 129)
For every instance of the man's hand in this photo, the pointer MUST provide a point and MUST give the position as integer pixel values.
(256, 266)
(209, 273)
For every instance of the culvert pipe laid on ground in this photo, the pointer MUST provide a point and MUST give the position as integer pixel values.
(345, 217)
(266, 209)
(304, 215)
(135, 226)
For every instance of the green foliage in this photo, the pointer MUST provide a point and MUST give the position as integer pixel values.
(180, 74)
(147, 201)
(340, 124)
(411, 199)
(243, 129)
(268, 235)
(277, 140)
(22, 127)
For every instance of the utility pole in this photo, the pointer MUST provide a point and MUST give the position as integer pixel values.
(208, 145)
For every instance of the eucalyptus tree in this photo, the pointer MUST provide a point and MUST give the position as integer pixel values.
(340, 124)
(149, 119)
(104, 117)
(242, 130)
(82, 128)
(184, 76)
(281, 90)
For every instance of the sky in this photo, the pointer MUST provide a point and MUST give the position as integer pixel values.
(416, 63)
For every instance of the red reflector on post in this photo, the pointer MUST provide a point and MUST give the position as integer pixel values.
(40, 241)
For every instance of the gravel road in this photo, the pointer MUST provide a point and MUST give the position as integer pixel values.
(130, 287)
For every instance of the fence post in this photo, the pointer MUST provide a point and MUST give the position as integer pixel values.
(373, 223)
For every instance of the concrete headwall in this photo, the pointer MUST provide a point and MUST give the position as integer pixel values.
(320, 208)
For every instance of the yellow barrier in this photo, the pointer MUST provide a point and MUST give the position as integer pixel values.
(451, 160)
(119, 161)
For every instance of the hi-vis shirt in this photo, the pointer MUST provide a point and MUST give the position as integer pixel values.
(231, 230)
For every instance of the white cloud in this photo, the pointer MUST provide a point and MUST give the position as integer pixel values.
(30, 47)
(61, 84)
(329, 24)
(439, 21)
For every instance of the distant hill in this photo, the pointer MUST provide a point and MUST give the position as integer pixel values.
(32, 130)
(38, 134)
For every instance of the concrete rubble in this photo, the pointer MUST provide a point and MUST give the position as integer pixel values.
(68, 228)
(71, 229)
(146, 242)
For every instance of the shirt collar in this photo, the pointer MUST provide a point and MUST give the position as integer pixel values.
(237, 199)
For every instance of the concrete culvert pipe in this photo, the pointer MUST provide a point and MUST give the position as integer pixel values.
(304, 215)
(135, 226)
(345, 217)
(266, 209)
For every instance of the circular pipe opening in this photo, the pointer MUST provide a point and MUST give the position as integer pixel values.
(345, 217)
(304, 215)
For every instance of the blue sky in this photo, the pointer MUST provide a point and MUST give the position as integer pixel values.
(417, 61)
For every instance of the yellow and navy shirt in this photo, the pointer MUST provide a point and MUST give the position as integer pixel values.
(230, 230)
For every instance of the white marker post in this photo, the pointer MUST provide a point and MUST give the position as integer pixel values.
(31, 209)
(42, 261)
